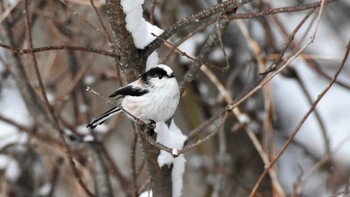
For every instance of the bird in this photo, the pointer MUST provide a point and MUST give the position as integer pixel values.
(152, 98)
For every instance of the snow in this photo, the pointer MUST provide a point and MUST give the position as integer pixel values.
(89, 79)
(101, 129)
(50, 97)
(13, 138)
(146, 194)
(218, 55)
(291, 104)
(243, 119)
(83, 108)
(177, 175)
(44, 190)
(175, 152)
(139, 28)
(10, 97)
(152, 60)
(11, 2)
(88, 138)
(12, 107)
(190, 46)
(297, 165)
(13, 171)
(4, 161)
(172, 137)
(81, 129)
(336, 101)
(129, 6)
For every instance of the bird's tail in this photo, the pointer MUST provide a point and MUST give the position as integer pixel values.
(103, 117)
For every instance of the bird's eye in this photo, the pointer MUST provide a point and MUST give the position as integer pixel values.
(160, 76)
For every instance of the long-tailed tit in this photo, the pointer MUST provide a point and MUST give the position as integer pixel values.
(151, 98)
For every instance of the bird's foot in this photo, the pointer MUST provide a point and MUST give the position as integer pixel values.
(149, 127)
(152, 125)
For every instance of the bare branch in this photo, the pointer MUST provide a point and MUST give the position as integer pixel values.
(302, 121)
(55, 48)
(215, 9)
(68, 155)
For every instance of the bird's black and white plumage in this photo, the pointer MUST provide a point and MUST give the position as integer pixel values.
(152, 97)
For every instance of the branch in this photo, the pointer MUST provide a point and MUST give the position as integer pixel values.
(53, 119)
(133, 64)
(56, 48)
(204, 52)
(215, 9)
(302, 121)
(161, 184)
(129, 59)
(280, 10)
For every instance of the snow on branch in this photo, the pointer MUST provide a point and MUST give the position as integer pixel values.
(172, 137)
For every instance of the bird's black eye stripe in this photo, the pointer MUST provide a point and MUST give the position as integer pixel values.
(156, 72)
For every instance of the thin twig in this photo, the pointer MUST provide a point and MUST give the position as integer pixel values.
(219, 35)
(281, 10)
(68, 154)
(109, 39)
(206, 138)
(286, 45)
(215, 9)
(326, 158)
(297, 128)
(55, 48)
(310, 61)
(8, 10)
(201, 27)
(13, 123)
(90, 90)
(151, 11)
(105, 32)
(204, 125)
(317, 116)
(183, 53)
(266, 90)
(213, 38)
(55, 175)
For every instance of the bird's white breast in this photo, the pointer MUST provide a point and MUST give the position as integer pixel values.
(159, 104)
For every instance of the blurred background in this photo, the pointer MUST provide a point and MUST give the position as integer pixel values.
(316, 162)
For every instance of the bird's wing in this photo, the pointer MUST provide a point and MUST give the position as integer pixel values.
(130, 90)
(99, 120)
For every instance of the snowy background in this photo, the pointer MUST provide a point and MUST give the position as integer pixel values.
(314, 164)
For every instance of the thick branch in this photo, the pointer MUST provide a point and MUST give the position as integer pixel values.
(130, 60)
(160, 177)
(133, 64)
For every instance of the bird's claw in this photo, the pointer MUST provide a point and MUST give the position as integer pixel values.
(152, 125)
